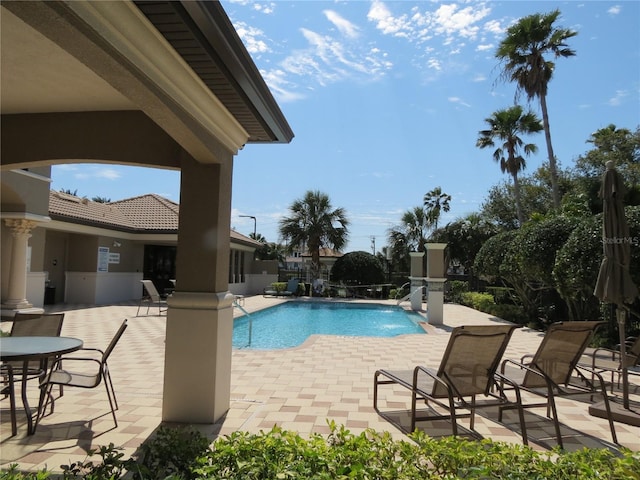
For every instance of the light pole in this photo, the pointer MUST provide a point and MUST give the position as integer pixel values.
(254, 223)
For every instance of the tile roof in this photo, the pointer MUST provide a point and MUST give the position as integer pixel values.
(148, 213)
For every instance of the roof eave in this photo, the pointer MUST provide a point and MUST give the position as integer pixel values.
(213, 21)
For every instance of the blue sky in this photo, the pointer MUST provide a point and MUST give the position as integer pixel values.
(386, 99)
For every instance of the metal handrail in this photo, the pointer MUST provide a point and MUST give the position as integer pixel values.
(237, 305)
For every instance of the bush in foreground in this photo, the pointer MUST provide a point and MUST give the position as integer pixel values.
(279, 454)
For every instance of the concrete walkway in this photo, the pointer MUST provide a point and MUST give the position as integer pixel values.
(326, 378)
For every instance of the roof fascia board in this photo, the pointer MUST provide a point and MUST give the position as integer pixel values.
(125, 28)
(214, 23)
(78, 228)
(67, 227)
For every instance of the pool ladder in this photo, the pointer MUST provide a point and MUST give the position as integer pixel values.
(237, 305)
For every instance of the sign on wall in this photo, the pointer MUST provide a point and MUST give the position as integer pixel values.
(103, 259)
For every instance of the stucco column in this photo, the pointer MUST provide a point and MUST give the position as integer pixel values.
(197, 375)
(17, 292)
(437, 264)
(416, 280)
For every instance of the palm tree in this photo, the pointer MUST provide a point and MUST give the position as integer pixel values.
(258, 237)
(522, 53)
(506, 125)
(411, 234)
(435, 202)
(314, 223)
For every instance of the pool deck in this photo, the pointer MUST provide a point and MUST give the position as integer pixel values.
(326, 378)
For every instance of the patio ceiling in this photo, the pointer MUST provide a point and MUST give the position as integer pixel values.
(83, 57)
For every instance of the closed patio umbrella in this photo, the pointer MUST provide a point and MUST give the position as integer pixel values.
(614, 284)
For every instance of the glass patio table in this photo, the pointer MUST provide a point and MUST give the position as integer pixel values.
(28, 349)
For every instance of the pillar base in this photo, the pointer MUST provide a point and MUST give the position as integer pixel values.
(8, 313)
(197, 378)
(435, 289)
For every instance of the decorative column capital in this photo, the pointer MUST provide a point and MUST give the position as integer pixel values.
(20, 226)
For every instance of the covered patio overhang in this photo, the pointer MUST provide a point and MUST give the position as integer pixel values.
(158, 84)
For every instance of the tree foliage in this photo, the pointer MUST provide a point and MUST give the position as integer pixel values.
(314, 223)
(358, 268)
(465, 237)
(524, 56)
(578, 262)
(537, 244)
(507, 126)
(500, 208)
(436, 202)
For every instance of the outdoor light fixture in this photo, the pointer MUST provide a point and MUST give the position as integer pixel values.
(254, 223)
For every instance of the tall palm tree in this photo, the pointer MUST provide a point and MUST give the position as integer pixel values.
(436, 202)
(506, 125)
(411, 234)
(313, 222)
(522, 53)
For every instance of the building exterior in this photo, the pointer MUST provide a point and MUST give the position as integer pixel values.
(121, 243)
(162, 84)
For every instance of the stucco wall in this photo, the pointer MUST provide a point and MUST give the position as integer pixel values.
(32, 188)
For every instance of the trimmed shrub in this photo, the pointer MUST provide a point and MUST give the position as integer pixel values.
(456, 289)
(478, 301)
(281, 454)
(358, 268)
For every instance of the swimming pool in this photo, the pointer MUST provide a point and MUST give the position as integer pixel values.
(290, 324)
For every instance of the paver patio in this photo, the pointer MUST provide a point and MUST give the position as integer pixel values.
(328, 377)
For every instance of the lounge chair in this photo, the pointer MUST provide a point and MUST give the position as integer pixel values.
(291, 289)
(152, 298)
(604, 360)
(553, 371)
(467, 371)
(84, 377)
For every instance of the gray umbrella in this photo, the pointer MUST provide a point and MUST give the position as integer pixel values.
(614, 283)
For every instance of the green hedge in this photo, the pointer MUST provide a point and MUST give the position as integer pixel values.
(478, 301)
(279, 454)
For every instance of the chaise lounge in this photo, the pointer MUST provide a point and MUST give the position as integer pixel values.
(467, 371)
(292, 289)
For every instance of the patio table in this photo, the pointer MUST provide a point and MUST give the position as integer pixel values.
(27, 349)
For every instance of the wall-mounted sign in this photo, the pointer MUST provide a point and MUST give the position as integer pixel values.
(103, 259)
(114, 258)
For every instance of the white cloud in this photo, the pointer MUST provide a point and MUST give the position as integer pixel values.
(250, 36)
(494, 27)
(449, 20)
(343, 25)
(434, 64)
(265, 8)
(614, 10)
(479, 77)
(452, 25)
(616, 100)
(386, 22)
(282, 89)
(458, 101)
(98, 172)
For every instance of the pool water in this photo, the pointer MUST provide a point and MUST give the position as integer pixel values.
(290, 324)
